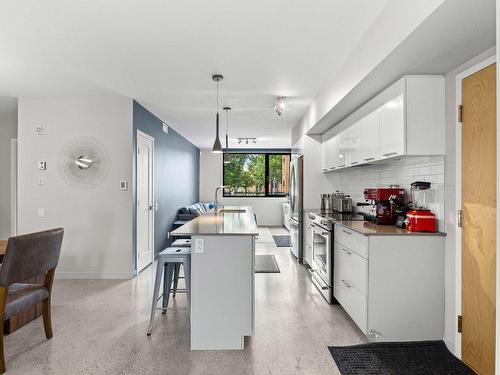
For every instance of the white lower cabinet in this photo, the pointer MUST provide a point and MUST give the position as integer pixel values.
(307, 239)
(392, 286)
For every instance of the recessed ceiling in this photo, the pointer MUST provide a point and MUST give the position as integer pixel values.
(163, 53)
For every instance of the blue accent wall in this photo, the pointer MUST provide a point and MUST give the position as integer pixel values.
(177, 167)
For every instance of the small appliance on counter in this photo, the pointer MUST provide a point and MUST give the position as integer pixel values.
(326, 201)
(341, 202)
(420, 218)
(383, 205)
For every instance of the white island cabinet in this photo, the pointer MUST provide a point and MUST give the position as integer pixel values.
(222, 277)
(389, 281)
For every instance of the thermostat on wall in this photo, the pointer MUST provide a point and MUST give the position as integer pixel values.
(123, 185)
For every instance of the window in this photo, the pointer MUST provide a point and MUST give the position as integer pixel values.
(256, 175)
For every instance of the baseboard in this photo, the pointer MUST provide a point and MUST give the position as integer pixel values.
(93, 275)
(450, 344)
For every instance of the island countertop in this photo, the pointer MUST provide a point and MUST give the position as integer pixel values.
(227, 221)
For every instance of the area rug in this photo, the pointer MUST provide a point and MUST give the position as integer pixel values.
(401, 358)
(266, 264)
(283, 241)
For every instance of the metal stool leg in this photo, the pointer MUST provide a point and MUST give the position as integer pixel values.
(156, 290)
(177, 269)
(187, 279)
(167, 282)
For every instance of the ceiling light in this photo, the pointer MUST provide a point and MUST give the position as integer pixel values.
(279, 106)
(226, 154)
(217, 148)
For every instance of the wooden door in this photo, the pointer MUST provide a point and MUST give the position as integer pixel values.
(479, 219)
(145, 212)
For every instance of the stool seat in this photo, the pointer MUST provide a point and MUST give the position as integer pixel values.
(175, 251)
(181, 242)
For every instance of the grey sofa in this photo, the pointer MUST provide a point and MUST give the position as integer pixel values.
(188, 213)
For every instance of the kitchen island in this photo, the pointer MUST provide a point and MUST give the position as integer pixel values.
(222, 277)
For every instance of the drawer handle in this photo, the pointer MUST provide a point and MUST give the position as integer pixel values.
(346, 232)
(346, 251)
(389, 154)
(346, 284)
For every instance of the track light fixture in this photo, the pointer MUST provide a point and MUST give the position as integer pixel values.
(247, 140)
(279, 106)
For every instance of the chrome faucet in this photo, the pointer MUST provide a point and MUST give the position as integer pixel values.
(216, 202)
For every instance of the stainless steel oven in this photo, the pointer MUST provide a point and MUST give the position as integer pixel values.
(322, 265)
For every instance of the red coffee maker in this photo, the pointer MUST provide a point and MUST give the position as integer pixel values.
(382, 209)
(420, 218)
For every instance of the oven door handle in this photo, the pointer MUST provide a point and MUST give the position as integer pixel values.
(320, 230)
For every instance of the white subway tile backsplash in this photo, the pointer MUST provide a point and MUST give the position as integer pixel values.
(353, 181)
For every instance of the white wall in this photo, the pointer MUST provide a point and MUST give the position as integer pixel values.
(98, 222)
(269, 210)
(8, 131)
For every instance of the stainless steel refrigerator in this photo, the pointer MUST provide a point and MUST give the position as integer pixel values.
(296, 190)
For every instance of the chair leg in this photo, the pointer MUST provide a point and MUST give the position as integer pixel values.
(159, 270)
(47, 321)
(177, 270)
(167, 285)
(3, 300)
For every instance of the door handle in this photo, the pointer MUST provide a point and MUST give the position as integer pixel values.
(389, 154)
(346, 284)
(151, 207)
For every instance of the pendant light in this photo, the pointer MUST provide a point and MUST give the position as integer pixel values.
(226, 153)
(217, 145)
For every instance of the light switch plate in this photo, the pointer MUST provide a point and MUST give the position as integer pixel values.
(199, 245)
(41, 212)
(123, 185)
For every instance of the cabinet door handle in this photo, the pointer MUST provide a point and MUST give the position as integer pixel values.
(375, 333)
(332, 168)
(346, 232)
(346, 284)
(354, 162)
(346, 251)
(369, 159)
(341, 166)
(389, 154)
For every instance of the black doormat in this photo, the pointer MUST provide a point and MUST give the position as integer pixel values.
(283, 241)
(398, 358)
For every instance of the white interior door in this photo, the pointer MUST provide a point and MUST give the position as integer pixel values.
(145, 205)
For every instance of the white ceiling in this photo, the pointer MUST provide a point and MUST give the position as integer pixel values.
(163, 54)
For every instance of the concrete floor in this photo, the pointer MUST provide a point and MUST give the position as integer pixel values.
(100, 328)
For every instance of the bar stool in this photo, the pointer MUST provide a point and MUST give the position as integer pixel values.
(168, 259)
(181, 242)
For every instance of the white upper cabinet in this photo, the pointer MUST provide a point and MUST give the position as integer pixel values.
(406, 119)
(370, 141)
(330, 153)
(392, 128)
(355, 135)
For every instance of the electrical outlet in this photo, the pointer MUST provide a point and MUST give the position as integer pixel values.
(123, 185)
(42, 165)
(199, 245)
(40, 129)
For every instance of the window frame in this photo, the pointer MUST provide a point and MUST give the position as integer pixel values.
(266, 174)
